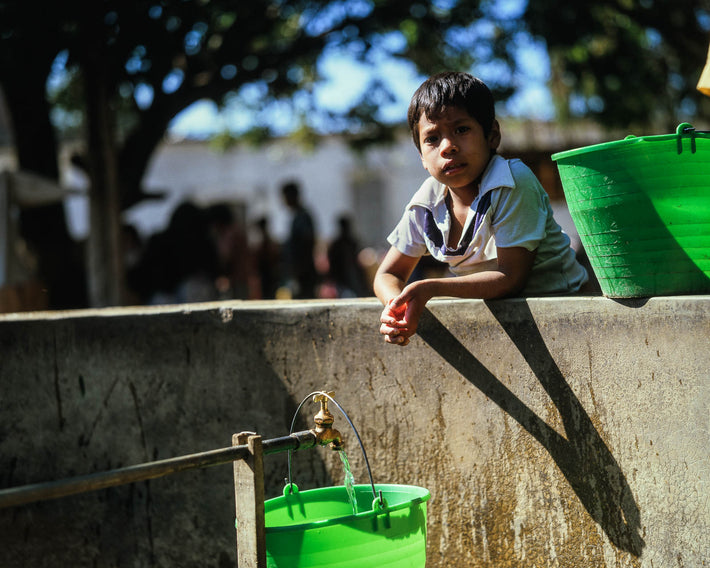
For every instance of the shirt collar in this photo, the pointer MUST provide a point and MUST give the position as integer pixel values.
(497, 174)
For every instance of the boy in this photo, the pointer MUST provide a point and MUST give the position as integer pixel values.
(488, 218)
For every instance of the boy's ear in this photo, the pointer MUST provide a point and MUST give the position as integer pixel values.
(494, 136)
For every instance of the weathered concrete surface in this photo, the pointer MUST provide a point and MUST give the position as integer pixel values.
(567, 432)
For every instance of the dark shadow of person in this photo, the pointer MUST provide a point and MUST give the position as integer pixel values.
(582, 457)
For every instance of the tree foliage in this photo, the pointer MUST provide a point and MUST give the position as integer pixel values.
(162, 56)
(625, 63)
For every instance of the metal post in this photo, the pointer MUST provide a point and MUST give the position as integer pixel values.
(249, 500)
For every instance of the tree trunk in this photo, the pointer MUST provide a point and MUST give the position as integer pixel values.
(106, 275)
(59, 258)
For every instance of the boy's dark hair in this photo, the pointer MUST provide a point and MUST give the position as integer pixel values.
(450, 89)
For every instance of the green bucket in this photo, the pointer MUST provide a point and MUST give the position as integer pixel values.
(642, 209)
(317, 528)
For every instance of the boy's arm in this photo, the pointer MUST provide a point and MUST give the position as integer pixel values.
(390, 280)
(392, 274)
(509, 278)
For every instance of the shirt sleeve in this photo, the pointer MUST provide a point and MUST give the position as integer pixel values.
(520, 215)
(408, 237)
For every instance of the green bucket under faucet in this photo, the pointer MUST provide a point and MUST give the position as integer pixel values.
(317, 528)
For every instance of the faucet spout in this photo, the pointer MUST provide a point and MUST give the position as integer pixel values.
(325, 434)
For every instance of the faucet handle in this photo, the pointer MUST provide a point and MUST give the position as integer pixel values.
(323, 416)
(322, 398)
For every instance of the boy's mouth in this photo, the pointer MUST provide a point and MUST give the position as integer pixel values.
(452, 168)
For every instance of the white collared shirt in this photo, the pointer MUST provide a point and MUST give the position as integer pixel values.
(511, 210)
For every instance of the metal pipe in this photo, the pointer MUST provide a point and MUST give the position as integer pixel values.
(82, 484)
(295, 441)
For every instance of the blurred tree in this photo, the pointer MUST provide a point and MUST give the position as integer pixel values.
(625, 63)
(137, 64)
(30, 37)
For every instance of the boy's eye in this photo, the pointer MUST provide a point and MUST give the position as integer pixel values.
(430, 140)
(462, 129)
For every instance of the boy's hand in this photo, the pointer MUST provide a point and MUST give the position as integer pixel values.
(394, 324)
(400, 318)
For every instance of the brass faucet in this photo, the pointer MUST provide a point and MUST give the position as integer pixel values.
(324, 431)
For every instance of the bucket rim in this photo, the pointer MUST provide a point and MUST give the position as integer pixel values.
(629, 140)
(424, 495)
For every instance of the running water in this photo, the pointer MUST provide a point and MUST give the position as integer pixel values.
(349, 480)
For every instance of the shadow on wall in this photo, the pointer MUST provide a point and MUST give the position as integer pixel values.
(582, 457)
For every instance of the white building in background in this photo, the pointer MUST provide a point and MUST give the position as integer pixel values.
(372, 188)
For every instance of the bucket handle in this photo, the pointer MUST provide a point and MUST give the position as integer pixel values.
(378, 498)
(687, 129)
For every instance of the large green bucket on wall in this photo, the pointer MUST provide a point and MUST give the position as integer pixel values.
(642, 209)
(318, 529)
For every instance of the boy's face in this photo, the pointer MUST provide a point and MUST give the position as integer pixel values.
(454, 149)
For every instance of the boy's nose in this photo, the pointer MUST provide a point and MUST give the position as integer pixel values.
(447, 146)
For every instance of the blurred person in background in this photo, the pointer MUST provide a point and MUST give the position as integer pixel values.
(299, 248)
(267, 261)
(230, 242)
(180, 264)
(344, 266)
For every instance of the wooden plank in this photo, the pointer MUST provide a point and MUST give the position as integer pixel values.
(249, 502)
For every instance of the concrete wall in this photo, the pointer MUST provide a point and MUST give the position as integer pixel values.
(565, 432)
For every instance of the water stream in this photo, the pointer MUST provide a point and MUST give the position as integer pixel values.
(349, 480)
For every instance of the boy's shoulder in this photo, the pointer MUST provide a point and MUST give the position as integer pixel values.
(509, 173)
(521, 172)
(430, 194)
